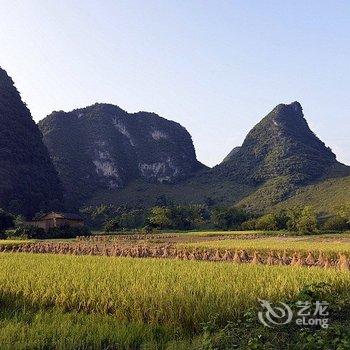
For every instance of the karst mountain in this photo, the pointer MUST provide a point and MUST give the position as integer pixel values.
(106, 155)
(28, 179)
(282, 144)
(104, 148)
(102, 154)
(279, 155)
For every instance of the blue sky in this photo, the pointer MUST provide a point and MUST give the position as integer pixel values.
(217, 67)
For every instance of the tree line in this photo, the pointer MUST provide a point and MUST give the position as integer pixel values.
(121, 219)
(303, 219)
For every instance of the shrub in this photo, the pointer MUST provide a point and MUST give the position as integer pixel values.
(67, 232)
(6, 220)
(249, 225)
(33, 232)
(29, 232)
(336, 223)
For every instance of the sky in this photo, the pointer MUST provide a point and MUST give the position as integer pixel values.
(216, 67)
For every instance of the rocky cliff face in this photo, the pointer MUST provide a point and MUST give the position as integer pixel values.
(104, 147)
(28, 180)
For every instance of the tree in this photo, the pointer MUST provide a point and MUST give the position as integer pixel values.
(112, 225)
(159, 217)
(307, 222)
(97, 216)
(344, 212)
(228, 218)
(186, 217)
(282, 219)
(6, 220)
(19, 220)
(249, 225)
(209, 202)
(134, 218)
(161, 201)
(125, 219)
(294, 215)
(267, 222)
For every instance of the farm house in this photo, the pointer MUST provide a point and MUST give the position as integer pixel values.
(57, 219)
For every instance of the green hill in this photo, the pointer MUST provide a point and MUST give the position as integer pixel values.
(325, 196)
(144, 194)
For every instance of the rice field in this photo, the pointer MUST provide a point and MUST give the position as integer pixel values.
(328, 244)
(183, 294)
(96, 293)
(27, 328)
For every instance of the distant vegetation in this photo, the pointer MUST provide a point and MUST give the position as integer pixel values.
(103, 155)
(32, 232)
(12, 226)
(200, 217)
(325, 197)
(122, 219)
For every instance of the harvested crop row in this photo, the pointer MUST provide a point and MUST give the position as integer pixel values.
(330, 245)
(134, 237)
(238, 256)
